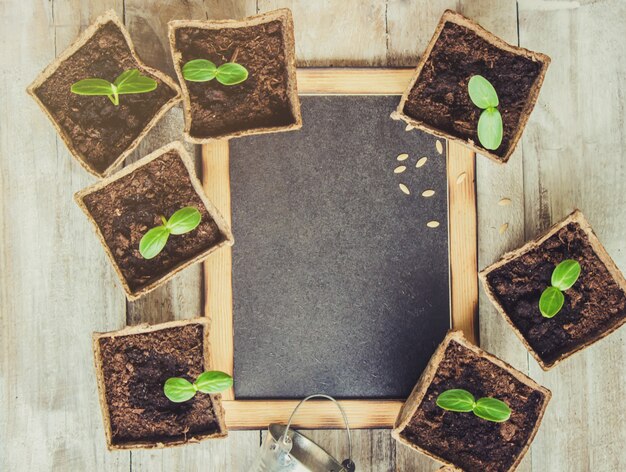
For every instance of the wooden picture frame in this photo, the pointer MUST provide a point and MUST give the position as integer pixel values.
(365, 413)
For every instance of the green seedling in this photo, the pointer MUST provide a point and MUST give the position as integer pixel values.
(202, 70)
(484, 96)
(180, 390)
(564, 276)
(490, 409)
(181, 222)
(130, 81)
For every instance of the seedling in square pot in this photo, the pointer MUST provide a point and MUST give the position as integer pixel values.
(180, 390)
(128, 82)
(563, 278)
(462, 401)
(485, 97)
(182, 221)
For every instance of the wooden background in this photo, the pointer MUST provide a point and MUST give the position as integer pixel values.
(56, 286)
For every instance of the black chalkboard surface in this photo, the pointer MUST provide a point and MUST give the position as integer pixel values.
(339, 285)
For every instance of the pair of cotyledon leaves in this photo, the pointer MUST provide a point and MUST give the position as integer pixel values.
(564, 276)
(202, 70)
(130, 81)
(462, 401)
(484, 96)
(181, 222)
(180, 390)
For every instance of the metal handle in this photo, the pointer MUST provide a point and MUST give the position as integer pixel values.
(348, 464)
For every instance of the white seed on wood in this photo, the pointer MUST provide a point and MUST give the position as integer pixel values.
(399, 169)
(432, 224)
(461, 178)
(439, 147)
(409, 127)
(503, 228)
(404, 189)
(402, 157)
(428, 193)
(421, 161)
(504, 202)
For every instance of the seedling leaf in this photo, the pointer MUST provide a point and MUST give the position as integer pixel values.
(456, 400)
(482, 93)
(199, 70)
(492, 409)
(231, 73)
(213, 381)
(178, 389)
(153, 242)
(566, 274)
(551, 302)
(136, 84)
(184, 220)
(92, 87)
(490, 128)
(124, 76)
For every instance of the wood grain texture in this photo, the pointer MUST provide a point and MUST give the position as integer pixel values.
(574, 156)
(462, 237)
(352, 81)
(56, 284)
(218, 289)
(57, 287)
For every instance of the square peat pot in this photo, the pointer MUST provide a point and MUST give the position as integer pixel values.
(594, 306)
(132, 366)
(98, 134)
(464, 440)
(126, 205)
(437, 100)
(267, 102)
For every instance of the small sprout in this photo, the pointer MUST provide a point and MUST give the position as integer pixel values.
(180, 390)
(484, 96)
(201, 70)
(181, 222)
(563, 278)
(130, 81)
(462, 401)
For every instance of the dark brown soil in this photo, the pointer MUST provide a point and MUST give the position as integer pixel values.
(127, 208)
(99, 130)
(135, 368)
(440, 99)
(262, 101)
(594, 304)
(464, 439)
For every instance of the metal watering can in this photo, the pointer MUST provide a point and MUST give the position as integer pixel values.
(286, 450)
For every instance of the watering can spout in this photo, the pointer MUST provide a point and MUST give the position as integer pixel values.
(286, 450)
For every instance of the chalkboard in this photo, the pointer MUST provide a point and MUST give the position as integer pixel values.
(339, 285)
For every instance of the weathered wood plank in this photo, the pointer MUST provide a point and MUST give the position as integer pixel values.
(348, 33)
(574, 157)
(57, 286)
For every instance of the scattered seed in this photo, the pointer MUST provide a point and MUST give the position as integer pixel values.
(399, 169)
(503, 228)
(504, 202)
(409, 127)
(428, 193)
(421, 161)
(402, 157)
(405, 189)
(432, 224)
(461, 178)
(439, 147)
